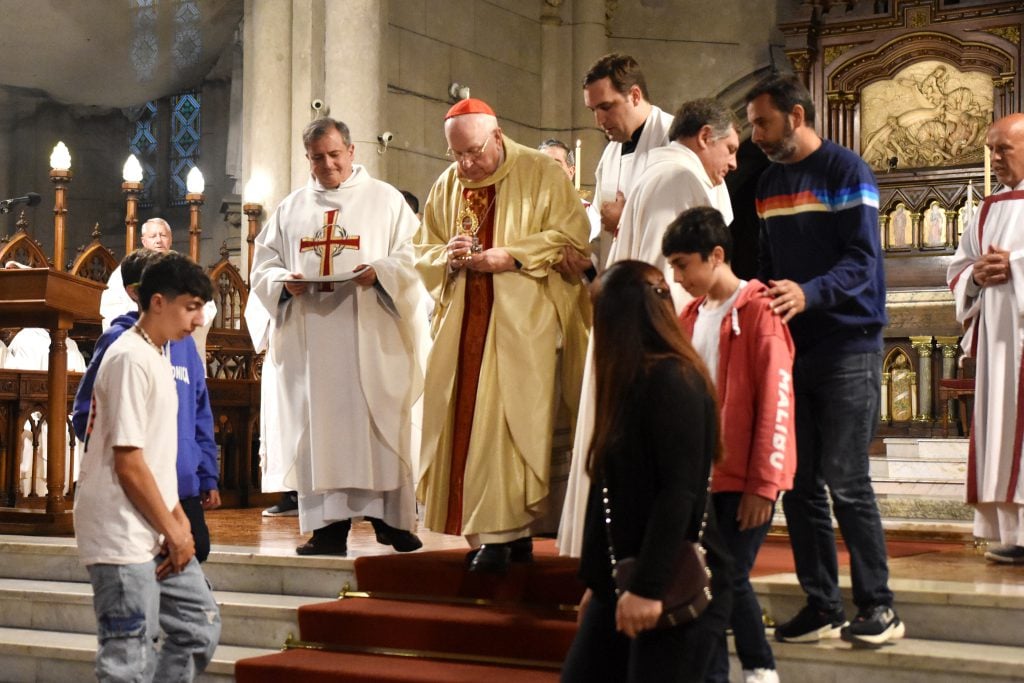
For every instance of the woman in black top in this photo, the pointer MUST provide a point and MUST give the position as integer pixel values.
(655, 439)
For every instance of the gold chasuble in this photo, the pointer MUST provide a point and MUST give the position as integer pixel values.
(508, 348)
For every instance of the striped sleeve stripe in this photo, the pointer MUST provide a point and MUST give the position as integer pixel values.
(809, 201)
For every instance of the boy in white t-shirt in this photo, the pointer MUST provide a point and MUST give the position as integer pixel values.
(131, 531)
(749, 353)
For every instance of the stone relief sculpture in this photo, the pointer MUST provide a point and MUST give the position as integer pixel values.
(929, 114)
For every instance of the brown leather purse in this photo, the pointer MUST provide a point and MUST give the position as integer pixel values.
(688, 593)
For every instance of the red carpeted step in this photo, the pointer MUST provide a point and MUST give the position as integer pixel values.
(512, 631)
(550, 579)
(312, 666)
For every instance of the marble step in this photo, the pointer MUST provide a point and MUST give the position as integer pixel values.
(31, 656)
(948, 611)
(937, 449)
(248, 619)
(229, 568)
(910, 660)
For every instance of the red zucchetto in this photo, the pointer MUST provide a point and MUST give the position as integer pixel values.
(469, 106)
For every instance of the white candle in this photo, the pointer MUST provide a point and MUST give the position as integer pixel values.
(988, 171)
(576, 175)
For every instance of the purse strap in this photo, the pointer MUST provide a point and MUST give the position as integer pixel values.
(606, 504)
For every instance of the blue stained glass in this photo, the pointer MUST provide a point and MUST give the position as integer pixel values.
(185, 137)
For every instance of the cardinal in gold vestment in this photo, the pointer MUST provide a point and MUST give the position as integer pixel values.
(509, 335)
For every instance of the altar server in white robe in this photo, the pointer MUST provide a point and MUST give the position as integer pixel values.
(346, 355)
(615, 90)
(690, 171)
(154, 234)
(987, 279)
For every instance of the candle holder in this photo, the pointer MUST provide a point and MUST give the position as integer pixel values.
(194, 201)
(131, 190)
(60, 177)
(253, 211)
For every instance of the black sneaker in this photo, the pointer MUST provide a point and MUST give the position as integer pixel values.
(288, 506)
(1005, 554)
(810, 626)
(874, 626)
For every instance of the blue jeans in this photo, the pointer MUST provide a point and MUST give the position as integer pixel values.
(752, 646)
(836, 402)
(132, 608)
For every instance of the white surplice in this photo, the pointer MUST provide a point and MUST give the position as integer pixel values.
(674, 180)
(347, 368)
(618, 173)
(995, 486)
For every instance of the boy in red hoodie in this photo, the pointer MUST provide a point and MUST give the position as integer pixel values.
(749, 352)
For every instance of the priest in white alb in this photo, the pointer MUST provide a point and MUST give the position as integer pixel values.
(615, 90)
(334, 267)
(987, 279)
(690, 171)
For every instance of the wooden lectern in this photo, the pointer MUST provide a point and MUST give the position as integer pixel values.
(42, 297)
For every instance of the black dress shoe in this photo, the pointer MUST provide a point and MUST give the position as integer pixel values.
(401, 540)
(328, 540)
(521, 549)
(491, 558)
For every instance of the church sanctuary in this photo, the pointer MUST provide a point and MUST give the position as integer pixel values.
(113, 112)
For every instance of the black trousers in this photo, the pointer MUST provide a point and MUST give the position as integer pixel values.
(193, 508)
(672, 655)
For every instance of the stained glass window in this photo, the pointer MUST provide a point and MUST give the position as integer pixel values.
(184, 142)
(143, 144)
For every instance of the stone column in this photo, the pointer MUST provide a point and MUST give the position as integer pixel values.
(949, 347)
(355, 75)
(267, 94)
(558, 83)
(923, 347)
(589, 43)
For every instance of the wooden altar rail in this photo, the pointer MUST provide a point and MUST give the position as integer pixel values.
(235, 405)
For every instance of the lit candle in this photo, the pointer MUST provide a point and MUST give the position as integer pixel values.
(60, 158)
(132, 171)
(576, 175)
(194, 182)
(969, 205)
(988, 171)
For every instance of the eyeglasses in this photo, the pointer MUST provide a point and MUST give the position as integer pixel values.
(471, 155)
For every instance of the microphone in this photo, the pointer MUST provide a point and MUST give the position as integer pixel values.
(30, 198)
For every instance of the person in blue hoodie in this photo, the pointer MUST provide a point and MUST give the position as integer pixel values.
(197, 450)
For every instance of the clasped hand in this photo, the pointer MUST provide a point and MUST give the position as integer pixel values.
(461, 256)
(992, 268)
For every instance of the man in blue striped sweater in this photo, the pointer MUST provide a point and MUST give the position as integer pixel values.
(820, 254)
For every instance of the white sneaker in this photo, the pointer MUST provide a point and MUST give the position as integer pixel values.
(760, 676)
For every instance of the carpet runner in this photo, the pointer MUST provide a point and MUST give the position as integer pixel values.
(420, 618)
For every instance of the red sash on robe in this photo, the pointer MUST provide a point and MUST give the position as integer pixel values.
(476, 319)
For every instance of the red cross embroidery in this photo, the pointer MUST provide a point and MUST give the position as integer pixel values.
(328, 242)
